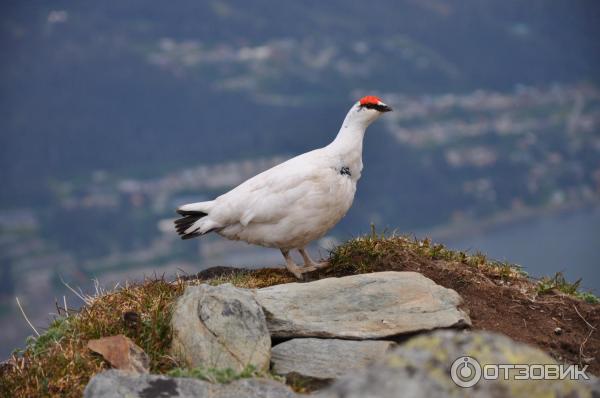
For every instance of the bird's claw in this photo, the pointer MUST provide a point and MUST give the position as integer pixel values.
(314, 267)
(309, 264)
(299, 272)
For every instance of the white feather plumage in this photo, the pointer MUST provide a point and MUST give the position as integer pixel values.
(295, 202)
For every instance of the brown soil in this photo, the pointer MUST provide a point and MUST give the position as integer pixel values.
(496, 306)
(494, 303)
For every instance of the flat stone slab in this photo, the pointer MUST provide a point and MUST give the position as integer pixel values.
(325, 359)
(114, 383)
(366, 306)
(220, 327)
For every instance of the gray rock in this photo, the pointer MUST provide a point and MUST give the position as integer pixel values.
(221, 327)
(114, 383)
(363, 306)
(421, 368)
(325, 359)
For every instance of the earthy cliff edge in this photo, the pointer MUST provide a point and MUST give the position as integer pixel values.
(550, 314)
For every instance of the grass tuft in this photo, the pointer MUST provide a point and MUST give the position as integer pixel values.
(58, 362)
(254, 279)
(375, 252)
(221, 376)
(559, 283)
(57, 330)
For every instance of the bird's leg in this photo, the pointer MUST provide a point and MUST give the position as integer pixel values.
(291, 265)
(309, 264)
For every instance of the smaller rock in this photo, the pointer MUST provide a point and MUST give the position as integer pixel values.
(115, 383)
(325, 359)
(558, 331)
(220, 327)
(121, 353)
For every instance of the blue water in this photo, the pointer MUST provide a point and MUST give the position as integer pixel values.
(567, 242)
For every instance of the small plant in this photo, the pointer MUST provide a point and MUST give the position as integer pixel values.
(588, 297)
(507, 270)
(54, 334)
(213, 375)
(559, 282)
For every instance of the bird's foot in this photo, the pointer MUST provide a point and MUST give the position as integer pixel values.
(310, 267)
(297, 271)
(309, 264)
(291, 265)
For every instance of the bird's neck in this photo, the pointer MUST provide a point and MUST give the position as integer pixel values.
(349, 140)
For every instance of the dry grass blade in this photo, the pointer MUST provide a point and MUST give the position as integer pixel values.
(85, 298)
(584, 342)
(25, 316)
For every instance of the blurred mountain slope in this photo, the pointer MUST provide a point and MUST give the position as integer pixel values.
(142, 88)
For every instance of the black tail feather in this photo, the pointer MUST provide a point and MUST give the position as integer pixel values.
(190, 236)
(200, 214)
(184, 223)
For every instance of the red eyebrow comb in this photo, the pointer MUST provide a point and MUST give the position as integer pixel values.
(369, 99)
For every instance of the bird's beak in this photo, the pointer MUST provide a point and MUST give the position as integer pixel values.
(384, 108)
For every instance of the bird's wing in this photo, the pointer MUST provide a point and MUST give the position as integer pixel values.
(268, 197)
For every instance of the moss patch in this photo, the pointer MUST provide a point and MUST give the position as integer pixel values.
(221, 376)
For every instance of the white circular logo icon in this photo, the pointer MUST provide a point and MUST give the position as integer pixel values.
(465, 372)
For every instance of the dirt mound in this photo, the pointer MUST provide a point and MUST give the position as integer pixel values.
(563, 326)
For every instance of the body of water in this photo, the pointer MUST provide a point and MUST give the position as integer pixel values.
(568, 242)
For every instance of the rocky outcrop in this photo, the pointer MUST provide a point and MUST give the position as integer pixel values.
(366, 306)
(422, 366)
(220, 327)
(115, 383)
(331, 322)
(325, 359)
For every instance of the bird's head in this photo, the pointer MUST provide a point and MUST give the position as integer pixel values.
(368, 109)
(373, 103)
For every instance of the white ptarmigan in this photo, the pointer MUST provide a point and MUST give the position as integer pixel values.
(295, 202)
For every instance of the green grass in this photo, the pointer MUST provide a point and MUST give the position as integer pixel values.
(221, 376)
(58, 363)
(559, 283)
(58, 329)
(374, 251)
